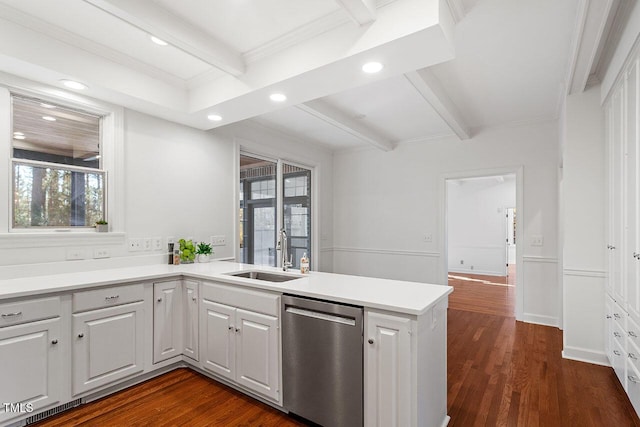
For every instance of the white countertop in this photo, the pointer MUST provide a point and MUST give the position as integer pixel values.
(393, 295)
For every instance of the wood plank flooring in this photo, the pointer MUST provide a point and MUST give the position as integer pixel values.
(500, 373)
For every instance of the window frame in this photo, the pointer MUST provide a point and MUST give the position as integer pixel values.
(112, 164)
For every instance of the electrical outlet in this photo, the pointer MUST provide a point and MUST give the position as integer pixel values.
(135, 245)
(218, 240)
(157, 243)
(146, 243)
(75, 253)
(428, 238)
(101, 253)
(537, 240)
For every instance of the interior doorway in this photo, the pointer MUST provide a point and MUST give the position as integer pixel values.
(481, 243)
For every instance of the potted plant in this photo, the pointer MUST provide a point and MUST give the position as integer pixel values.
(102, 226)
(204, 251)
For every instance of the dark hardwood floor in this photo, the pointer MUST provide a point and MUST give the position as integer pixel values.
(500, 373)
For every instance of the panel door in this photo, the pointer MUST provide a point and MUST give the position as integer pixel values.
(167, 320)
(190, 328)
(616, 171)
(388, 370)
(257, 347)
(632, 193)
(218, 338)
(31, 367)
(108, 345)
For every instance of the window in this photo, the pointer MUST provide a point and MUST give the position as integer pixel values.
(57, 175)
(264, 210)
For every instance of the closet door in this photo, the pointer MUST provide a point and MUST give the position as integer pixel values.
(631, 251)
(616, 174)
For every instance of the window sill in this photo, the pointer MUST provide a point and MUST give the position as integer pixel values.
(56, 239)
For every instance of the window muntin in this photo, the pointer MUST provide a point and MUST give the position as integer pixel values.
(56, 166)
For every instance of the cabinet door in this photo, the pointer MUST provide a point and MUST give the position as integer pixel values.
(218, 338)
(632, 193)
(388, 370)
(190, 304)
(30, 367)
(616, 174)
(167, 320)
(108, 345)
(257, 354)
(608, 328)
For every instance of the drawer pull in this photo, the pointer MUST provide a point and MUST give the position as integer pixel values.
(238, 330)
(632, 334)
(608, 316)
(616, 315)
(632, 356)
(632, 378)
(159, 299)
(616, 352)
(80, 335)
(617, 334)
(54, 342)
(194, 299)
(231, 328)
(112, 297)
(17, 313)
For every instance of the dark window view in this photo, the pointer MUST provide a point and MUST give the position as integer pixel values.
(297, 213)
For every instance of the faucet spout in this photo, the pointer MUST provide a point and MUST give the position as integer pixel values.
(286, 263)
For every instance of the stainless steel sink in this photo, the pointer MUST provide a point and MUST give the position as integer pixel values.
(263, 275)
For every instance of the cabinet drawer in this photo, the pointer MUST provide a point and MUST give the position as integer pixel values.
(633, 386)
(633, 332)
(29, 310)
(620, 316)
(619, 335)
(258, 301)
(107, 297)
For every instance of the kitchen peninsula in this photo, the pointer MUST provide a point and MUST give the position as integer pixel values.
(71, 338)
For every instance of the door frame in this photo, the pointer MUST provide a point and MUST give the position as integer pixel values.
(518, 171)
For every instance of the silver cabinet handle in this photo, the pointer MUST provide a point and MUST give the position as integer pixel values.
(231, 328)
(370, 341)
(616, 352)
(616, 315)
(54, 342)
(112, 297)
(608, 316)
(194, 299)
(237, 330)
(632, 334)
(80, 335)
(632, 356)
(617, 334)
(159, 299)
(632, 379)
(17, 313)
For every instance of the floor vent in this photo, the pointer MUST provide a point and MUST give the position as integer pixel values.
(52, 411)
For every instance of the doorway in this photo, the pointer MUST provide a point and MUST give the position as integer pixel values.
(481, 242)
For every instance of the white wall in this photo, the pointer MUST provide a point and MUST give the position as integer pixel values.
(477, 224)
(386, 202)
(584, 201)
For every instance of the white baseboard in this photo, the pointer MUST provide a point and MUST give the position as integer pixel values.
(480, 272)
(584, 355)
(540, 320)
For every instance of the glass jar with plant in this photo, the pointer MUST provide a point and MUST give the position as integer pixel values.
(204, 251)
(187, 251)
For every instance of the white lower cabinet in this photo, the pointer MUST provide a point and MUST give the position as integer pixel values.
(238, 343)
(108, 345)
(190, 317)
(387, 370)
(167, 320)
(31, 367)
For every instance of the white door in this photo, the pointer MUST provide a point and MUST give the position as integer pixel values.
(218, 336)
(108, 345)
(387, 371)
(632, 194)
(30, 367)
(257, 352)
(190, 304)
(616, 208)
(167, 320)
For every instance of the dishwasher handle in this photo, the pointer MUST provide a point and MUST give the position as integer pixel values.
(321, 316)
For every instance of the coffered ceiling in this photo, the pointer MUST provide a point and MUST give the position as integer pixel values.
(450, 67)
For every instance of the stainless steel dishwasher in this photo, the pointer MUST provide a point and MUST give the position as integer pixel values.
(322, 361)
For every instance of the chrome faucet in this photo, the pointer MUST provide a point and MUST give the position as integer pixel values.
(286, 263)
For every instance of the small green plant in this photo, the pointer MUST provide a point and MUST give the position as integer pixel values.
(204, 249)
(187, 251)
(101, 222)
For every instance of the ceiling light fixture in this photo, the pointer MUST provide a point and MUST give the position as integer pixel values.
(214, 117)
(49, 118)
(72, 84)
(158, 41)
(278, 97)
(372, 67)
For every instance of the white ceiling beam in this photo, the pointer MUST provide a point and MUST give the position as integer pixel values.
(432, 91)
(153, 19)
(360, 11)
(457, 10)
(340, 120)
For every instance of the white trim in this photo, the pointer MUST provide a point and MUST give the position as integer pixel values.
(539, 259)
(539, 319)
(479, 272)
(55, 239)
(584, 355)
(596, 274)
(457, 10)
(387, 252)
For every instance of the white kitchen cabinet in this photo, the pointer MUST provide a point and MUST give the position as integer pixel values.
(240, 337)
(167, 320)
(108, 345)
(631, 251)
(31, 368)
(190, 317)
(387, 370)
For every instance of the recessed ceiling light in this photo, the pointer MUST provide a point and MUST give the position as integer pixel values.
(214, 117)
(49, 118)
(158, 41)
(277, 97)
(18, 133)
(43, 105)
(372, 67)
(72, 84)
